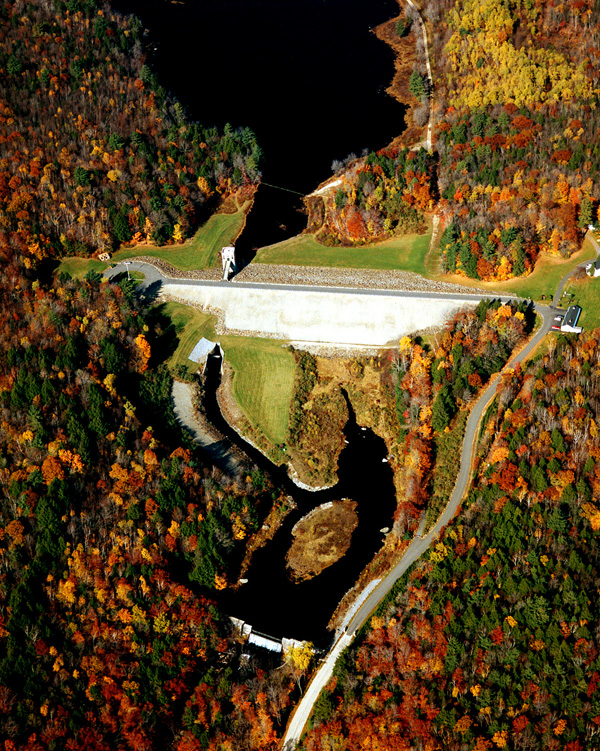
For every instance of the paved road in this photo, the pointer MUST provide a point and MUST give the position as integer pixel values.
(420, 543)
(415, 550)
(153, 276)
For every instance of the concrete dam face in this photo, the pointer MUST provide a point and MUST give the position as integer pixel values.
(327, 316)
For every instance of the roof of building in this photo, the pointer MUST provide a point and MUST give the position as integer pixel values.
(202, 350)
(572, 315)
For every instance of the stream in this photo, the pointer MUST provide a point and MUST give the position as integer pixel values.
(271, 601)
(309, 77)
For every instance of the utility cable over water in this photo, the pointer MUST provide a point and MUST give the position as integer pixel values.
(278, 187)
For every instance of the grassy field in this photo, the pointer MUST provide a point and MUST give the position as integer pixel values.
(586, 293)
(406, 253)
(543, 281)
(202, 250)
(263, 382)
(79, 267)
(190, 325)
(263, 368)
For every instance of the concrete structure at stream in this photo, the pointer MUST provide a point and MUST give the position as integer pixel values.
(321, 315)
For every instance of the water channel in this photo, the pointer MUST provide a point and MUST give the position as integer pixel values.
(271, 601)
(309, 77)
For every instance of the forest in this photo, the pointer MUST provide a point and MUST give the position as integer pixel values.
(385, 193)
(492, 640)
(116, 535)
(114, 531)
(514, 169)
(516, 131)
(94, 151)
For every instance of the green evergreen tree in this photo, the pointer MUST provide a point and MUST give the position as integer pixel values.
(585, 213)
(518, 256)
(416, 84)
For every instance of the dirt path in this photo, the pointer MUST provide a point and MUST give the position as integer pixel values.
(218, 448)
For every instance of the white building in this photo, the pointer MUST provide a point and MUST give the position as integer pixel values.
(228, 260)
(593, 269)
(569, 323)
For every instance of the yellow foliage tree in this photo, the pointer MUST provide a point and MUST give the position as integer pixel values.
(299, 657)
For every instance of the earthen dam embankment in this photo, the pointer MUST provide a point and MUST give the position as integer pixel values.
(321, 315)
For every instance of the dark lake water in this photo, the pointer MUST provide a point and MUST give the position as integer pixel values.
(271, 601)
(308, 77)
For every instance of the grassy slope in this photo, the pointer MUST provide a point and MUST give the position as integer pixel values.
(410, 253)
(407, 252)
(79, 267)
(201, 251)
(543, 281)
(264, 370)
(585, 292)
(263, 382)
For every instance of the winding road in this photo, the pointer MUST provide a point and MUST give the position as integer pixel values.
(420, 542)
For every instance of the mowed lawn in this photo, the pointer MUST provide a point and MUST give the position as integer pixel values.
(406, 253)
(199, 252)
(79, 267)
(263, 382)
(586, 293)
(542, 281)
(263, 369)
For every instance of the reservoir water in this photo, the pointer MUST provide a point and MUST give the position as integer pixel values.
(309, 77)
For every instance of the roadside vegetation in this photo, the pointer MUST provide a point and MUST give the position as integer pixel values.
(489, 641)
(78, 268)
(542, 283)
(202, 251)
(448, 446)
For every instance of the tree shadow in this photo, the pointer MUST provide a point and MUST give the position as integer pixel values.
(149, 293)
(166, 338)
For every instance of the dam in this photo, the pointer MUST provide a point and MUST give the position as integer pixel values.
(321, 315)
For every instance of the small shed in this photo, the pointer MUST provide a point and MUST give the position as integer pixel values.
(593, 269)
(569, 323)
(203, 350)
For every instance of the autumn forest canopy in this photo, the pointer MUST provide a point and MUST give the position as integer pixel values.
(116, 533)
(94, 150)
(514, 167)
